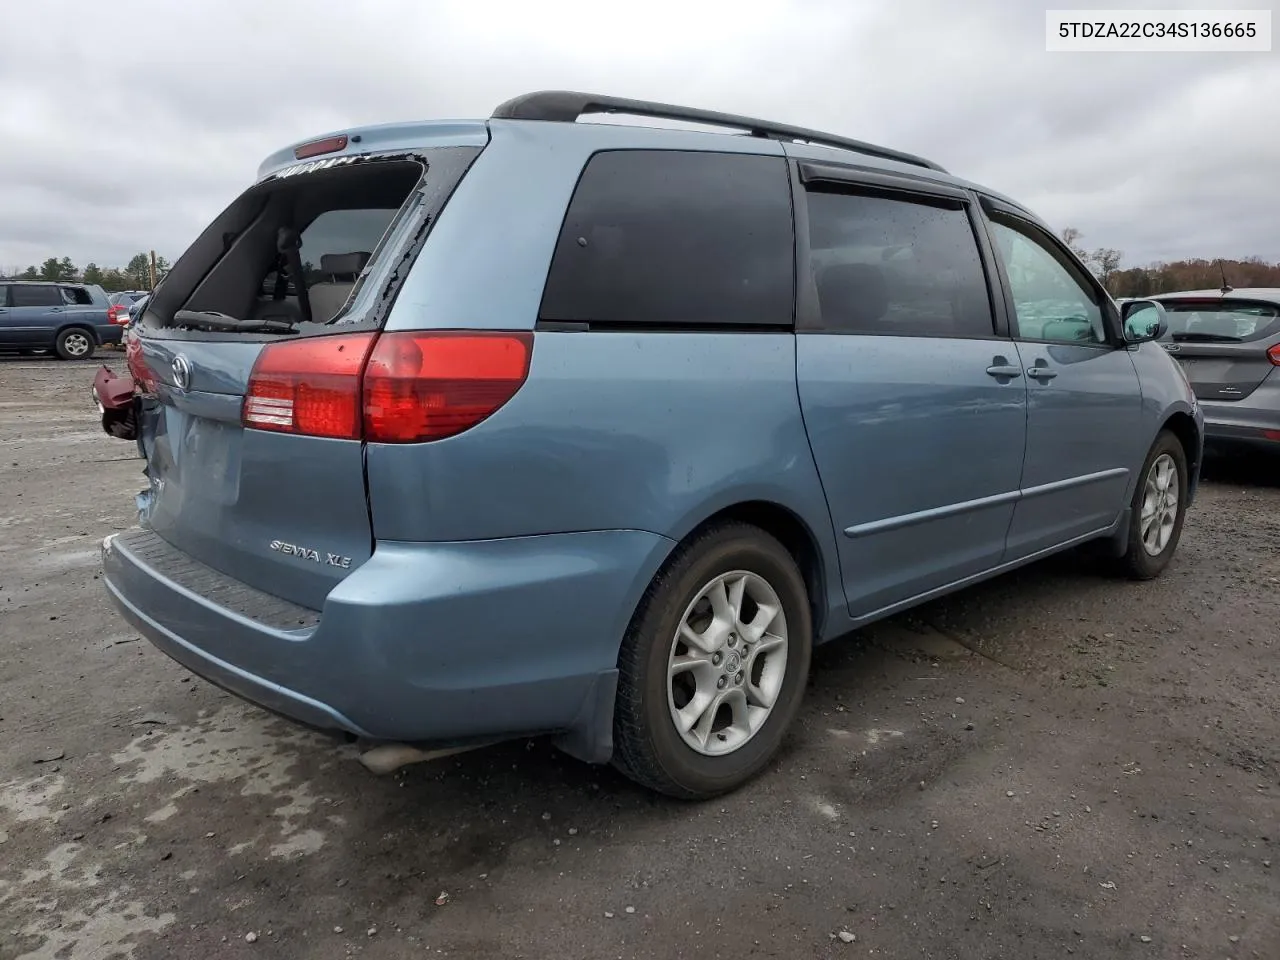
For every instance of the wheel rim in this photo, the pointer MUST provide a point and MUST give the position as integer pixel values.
(76, 344)
(1159, 505)
(727, 662)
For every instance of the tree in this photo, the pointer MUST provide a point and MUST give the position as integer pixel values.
(55, 269)
(113, 281)
(138, 271)
(31, 273)
(1071, 237)
(1105, 261)
(92, 274)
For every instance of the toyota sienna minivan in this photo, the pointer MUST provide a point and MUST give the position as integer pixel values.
(458, 431)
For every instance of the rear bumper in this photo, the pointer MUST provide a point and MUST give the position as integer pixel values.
(109, 333)
(427, 643)
(1255, 420)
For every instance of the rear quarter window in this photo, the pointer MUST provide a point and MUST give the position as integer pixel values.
(77, 296)
(664, 239)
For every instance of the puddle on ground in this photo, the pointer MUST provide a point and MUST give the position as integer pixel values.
(235, 744)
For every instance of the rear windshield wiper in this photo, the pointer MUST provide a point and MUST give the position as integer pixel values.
(213, 320)
(1208, 337)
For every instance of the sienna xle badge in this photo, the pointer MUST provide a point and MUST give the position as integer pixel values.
(461, 431)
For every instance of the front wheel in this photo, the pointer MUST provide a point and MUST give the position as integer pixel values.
(714, 664)
(74, 344)
(1157, 511)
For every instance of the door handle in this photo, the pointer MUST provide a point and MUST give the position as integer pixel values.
(1041, 371)
(1001, 368)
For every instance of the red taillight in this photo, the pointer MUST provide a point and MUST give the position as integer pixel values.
(318, 147)
(1274, 354)
(118, 315)
(309, 386)
(393, 388)
(427, 386)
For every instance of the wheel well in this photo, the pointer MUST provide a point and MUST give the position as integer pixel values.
(795, 535)
(1184, 428)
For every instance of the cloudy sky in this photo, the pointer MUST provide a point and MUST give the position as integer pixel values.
(127, 124)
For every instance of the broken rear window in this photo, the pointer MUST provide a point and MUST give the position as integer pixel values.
(292, 252)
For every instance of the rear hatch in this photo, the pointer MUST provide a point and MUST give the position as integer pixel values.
(1226, 346)
(250, 422)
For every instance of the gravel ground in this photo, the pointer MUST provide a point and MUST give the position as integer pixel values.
(1055, 763)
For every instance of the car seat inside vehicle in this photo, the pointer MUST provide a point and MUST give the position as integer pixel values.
(328, 296)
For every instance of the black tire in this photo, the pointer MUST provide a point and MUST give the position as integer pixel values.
(648, 748)
(1138, 562)
(74, 343)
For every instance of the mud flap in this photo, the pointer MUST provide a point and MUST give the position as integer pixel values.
(1119, 541)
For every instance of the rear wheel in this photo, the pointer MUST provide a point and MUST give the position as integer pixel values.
(74, 344)
(714, 665)
(1157, 511)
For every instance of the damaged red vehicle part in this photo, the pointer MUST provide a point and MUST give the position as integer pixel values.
(115, 398)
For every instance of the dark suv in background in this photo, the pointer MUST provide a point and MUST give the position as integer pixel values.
(71, 319)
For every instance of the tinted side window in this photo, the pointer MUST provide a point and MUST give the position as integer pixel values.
(25, 295)
(897, 265)
(1051, 302)
(664, 237)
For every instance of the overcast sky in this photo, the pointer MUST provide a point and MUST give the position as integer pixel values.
(127, 124)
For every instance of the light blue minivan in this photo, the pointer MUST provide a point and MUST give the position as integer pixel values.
(462, 431)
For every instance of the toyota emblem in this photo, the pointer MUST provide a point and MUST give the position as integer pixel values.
(181, 372)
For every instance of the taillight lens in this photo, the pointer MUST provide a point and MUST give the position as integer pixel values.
(309, 386)
(426, 386)
(1274, 354)
(393, 388)
(117, 314)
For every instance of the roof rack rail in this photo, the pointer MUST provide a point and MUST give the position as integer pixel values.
(567, 106)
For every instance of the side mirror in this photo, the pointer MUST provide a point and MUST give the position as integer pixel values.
(1143, 320)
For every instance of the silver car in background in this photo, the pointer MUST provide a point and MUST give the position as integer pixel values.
(1228, 344)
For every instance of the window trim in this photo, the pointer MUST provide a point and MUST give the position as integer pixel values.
(834, 178)
(553, 325)
(993, 212)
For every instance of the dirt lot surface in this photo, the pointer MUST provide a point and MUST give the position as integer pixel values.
(1053, 764)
